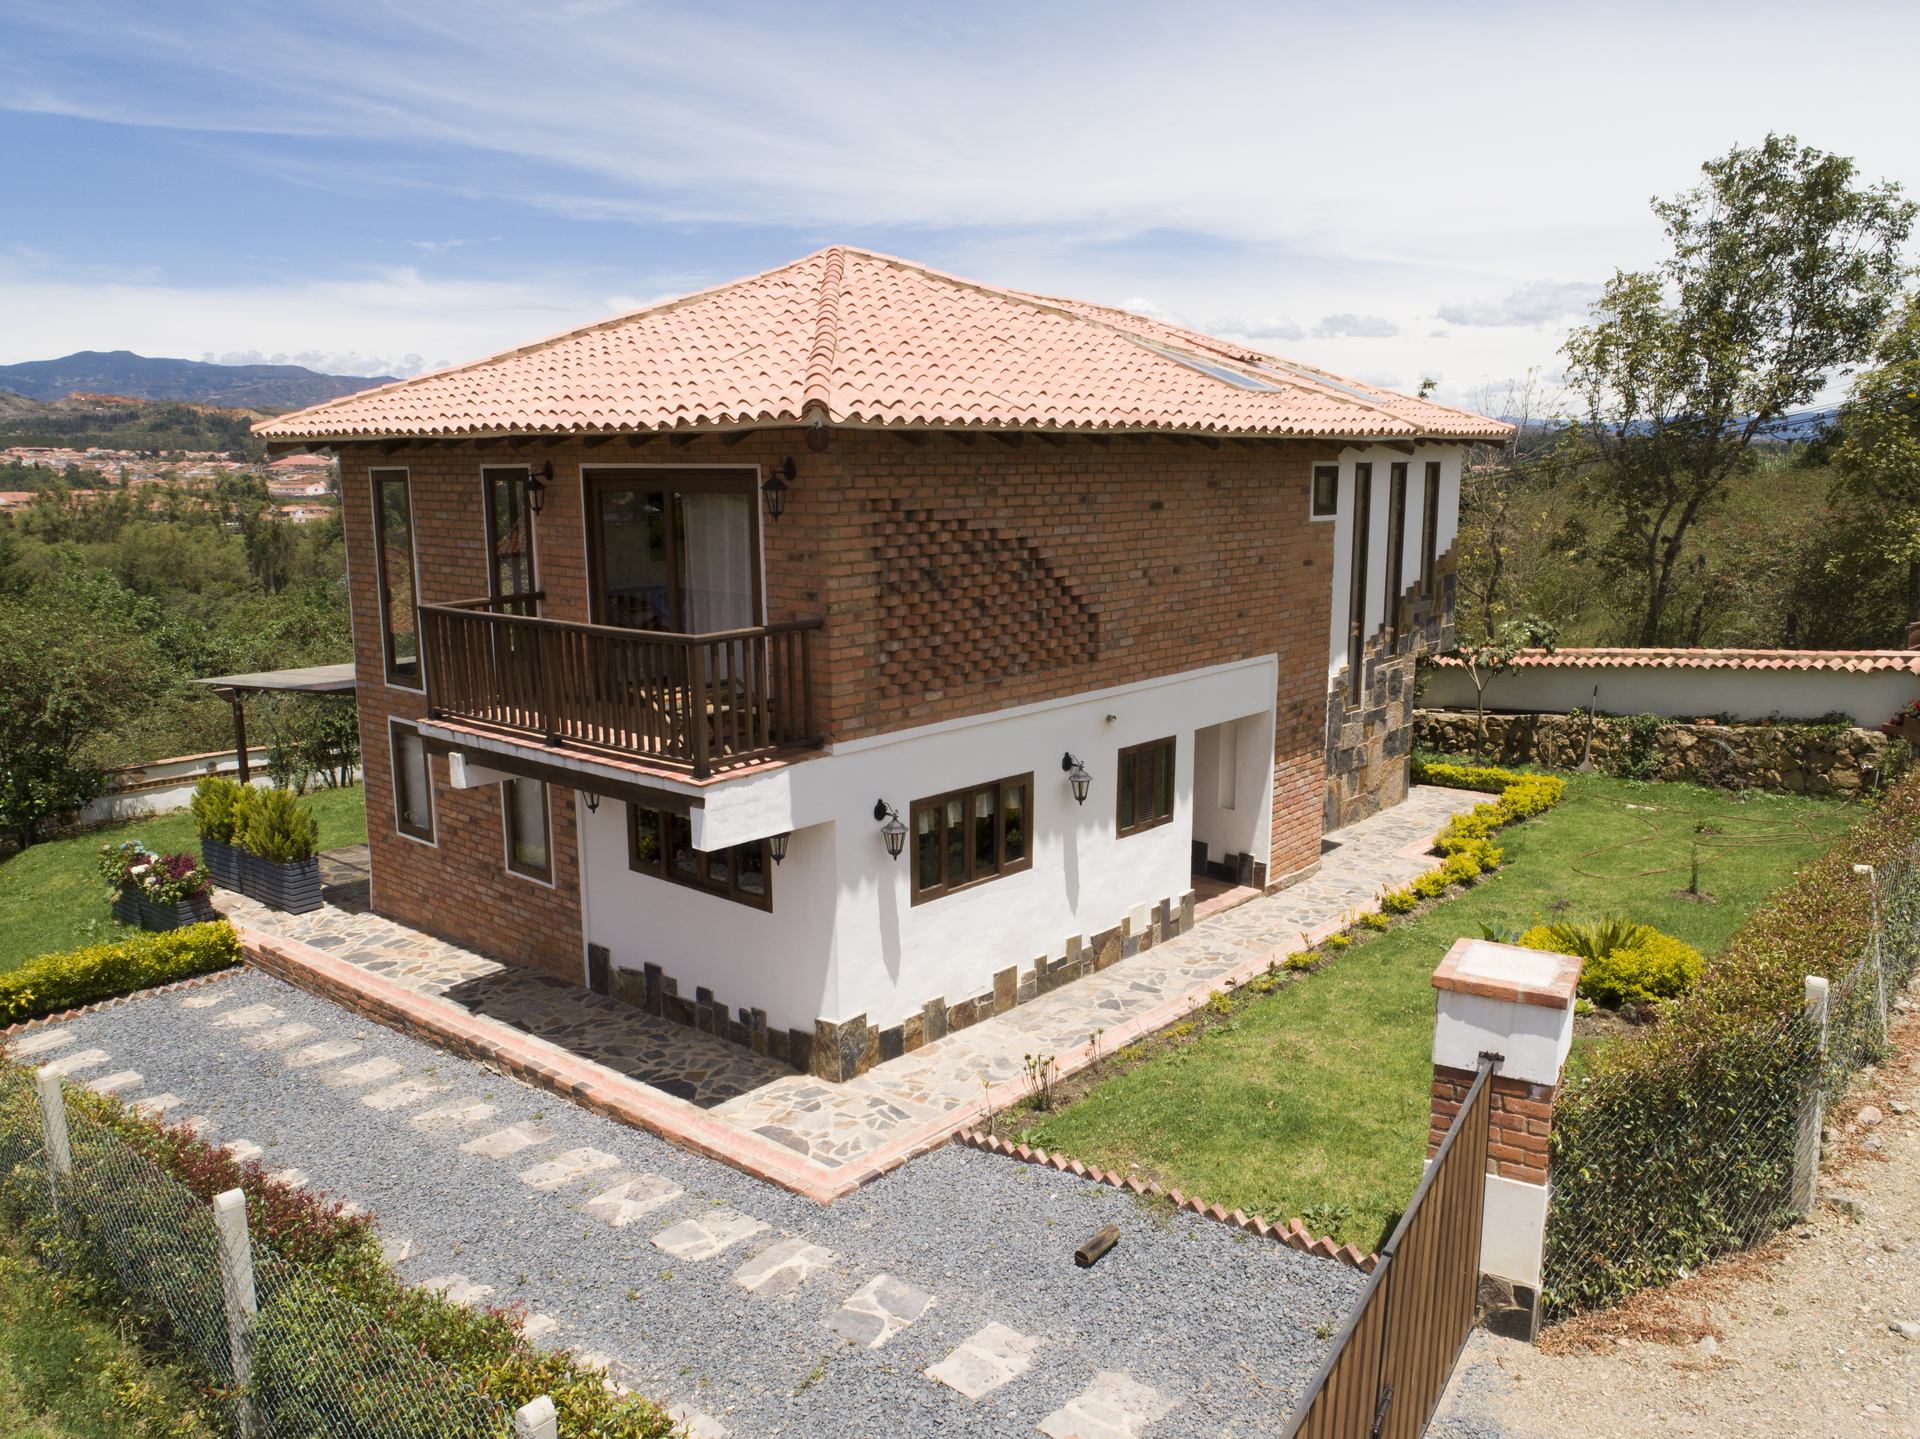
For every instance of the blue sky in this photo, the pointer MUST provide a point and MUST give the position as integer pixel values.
(1390, 191)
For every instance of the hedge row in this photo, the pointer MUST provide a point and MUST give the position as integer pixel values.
(1467, 839)
(55, 982)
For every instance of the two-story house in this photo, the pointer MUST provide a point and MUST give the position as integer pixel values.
(843, 655)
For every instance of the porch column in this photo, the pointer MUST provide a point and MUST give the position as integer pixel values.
(1516, 1003)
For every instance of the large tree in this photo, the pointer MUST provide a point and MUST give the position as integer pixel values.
(1782, 271)
(1876, 460)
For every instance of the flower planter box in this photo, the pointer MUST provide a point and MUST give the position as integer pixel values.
(223, 863)
(136, 911)
(1908, 730)
(292, 887)
(126, 907)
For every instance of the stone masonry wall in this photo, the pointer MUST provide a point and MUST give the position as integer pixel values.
(1783, 759)
(1368, 743)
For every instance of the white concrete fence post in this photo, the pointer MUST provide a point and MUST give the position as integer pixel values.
(236, 1283)
(536, 1420)
(1806, 1148)
(53, 1123)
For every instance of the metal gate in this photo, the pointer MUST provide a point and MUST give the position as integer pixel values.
(1391, 1360)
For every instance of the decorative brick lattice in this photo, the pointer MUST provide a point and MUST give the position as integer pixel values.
(961, 599)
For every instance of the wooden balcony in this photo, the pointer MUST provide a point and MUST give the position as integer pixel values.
(696, 702)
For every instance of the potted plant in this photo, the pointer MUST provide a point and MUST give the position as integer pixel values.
(279, 864)
(1906, 724)
(216, 806)
(156, 891)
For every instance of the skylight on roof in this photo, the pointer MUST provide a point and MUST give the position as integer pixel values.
(1235, 378)
(1320, 379)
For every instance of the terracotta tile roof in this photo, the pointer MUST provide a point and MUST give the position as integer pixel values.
(859, 339)
(1853, 661)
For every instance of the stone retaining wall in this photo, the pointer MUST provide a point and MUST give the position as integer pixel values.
(1783, 759)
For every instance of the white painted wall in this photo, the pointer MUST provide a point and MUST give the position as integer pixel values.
(844, 937)
(1230, 808)
(1871, 697)
(168, 784)
(1382, 460)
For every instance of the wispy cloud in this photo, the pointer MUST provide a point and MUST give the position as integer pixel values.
(1268, 329)
(1355, 327)
(1539, 303)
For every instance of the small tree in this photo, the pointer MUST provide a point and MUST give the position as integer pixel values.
(1876, 459)
(1488, 660)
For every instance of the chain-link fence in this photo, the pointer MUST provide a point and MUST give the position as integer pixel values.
(1660, 1169)
(294, 1359)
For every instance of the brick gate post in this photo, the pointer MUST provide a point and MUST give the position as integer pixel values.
(1517, 1003)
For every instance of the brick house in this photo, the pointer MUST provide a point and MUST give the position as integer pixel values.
(747, 657)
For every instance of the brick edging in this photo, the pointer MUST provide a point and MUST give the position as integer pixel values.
(66, 1014)
(1295, 1235)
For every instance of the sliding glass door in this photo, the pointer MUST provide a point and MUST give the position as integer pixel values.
(674, 549)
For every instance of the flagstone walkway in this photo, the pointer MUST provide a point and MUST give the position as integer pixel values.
(832, 1125)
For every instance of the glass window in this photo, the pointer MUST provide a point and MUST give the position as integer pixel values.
(661, 845)
(393, 521)
(525, 803)
(969, 837)
(1357, 583)
(412, 783)
(509, 536)
(1146, 786)
(1326, 489)
(675, 549)
(1429, 527)
(1396, 547)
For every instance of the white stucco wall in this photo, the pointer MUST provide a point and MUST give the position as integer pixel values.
(1232, 789)
(844, 937)
(1871, 698)
(1382, 460)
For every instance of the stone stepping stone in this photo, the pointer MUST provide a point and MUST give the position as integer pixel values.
(1115, 1406)
(292, 1178)
(200, 1124)
(696, 1425)
(114, 1083)
(631, 1198)
(285, 1034)
(40, 1043)
(321, 1053)
(511, 1140)
(396, 1251)
(72, 1063)
(407, 1091)
(706, 1236)
(204, 1001)
(538, 1326)
(366, 1072)
(454, 1114)
(252, 1017)
(565, 1168)
(878, 1310)
(156, 1104)
(986, 1360)
(244, 1149)
(782, 1268)
(456, 1288)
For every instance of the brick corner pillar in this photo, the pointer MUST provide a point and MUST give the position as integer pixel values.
(1518, 1003)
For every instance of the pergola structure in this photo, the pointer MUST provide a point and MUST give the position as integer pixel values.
(314, 680)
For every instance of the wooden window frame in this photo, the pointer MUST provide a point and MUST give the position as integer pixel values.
(509, 474)
(544, 874)
(1357, 582)
(1429, 528)
(1326, 503)
(674, 479)
(1002, 866)
(701, 882)
(399, 675)
(1124, 826)
(1396, 550)
(396, 728)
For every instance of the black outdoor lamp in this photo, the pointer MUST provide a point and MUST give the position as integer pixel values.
(777, 846)
(893, 832)
(774, 491)
(537, 486)
(593, 804)
(1077, 776)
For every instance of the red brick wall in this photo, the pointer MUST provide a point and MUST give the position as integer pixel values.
(1184, 556)
(1519, 1122)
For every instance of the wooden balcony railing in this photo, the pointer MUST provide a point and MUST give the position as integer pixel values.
(698, 701)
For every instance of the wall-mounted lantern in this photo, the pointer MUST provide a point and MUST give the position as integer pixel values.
(537, 486)
(774, 491)
(593, 804)
(777, 846)
(1077, 776)
(893, 832)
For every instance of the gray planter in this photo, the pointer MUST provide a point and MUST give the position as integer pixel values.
(292, 887)
(223, 863)
(136, 911)
(126, 907)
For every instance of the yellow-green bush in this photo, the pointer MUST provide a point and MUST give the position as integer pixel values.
(1622, 963)
(55, 982)
(1399, 901)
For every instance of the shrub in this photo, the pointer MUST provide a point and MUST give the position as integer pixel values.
(279, 828)
(55, 982)
(1339, 941)
(214, 799)
(1431, 885)
(1399, 901)
(1373, 921)
(1622, 962)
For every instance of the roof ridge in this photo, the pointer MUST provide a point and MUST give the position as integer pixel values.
(818, 388)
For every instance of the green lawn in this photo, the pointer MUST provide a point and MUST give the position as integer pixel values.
(1317, 1094)
(52, 897)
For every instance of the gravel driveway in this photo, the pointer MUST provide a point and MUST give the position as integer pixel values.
(628, 1249)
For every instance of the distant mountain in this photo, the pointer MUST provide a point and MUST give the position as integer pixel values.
(121, 372)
